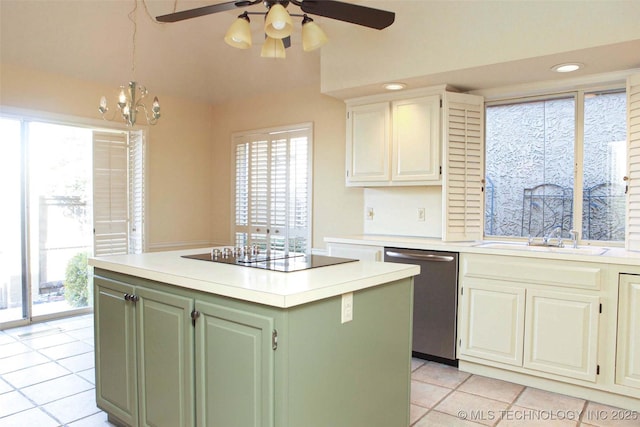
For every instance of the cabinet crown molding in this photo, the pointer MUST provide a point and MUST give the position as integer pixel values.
(402, 94)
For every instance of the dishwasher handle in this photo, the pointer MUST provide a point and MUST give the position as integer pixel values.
(420, 257)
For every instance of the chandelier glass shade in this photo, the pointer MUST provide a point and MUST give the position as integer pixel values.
(273, 48)
(130, 104)
(239, 33)
(312, 35)
(278, 23)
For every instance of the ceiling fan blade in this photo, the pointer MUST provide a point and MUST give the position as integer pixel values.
(205, 10)
(355, 14)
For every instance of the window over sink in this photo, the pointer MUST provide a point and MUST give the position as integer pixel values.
(557, 161)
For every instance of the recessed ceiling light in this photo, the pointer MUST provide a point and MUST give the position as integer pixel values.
(394, 86)
(567, 68)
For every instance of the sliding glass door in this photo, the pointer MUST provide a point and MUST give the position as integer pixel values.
(60, 225)
(67, 192)
(46, 228)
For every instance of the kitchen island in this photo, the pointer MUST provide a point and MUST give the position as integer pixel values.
(182, 342)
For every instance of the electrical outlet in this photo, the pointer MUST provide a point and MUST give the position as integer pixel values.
(421, 214)
(347, 307)
(369, 214)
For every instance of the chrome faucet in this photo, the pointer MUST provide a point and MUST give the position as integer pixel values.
(574, 238)
(546, 240)
(557, 232)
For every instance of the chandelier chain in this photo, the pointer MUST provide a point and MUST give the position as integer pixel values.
(132, 18)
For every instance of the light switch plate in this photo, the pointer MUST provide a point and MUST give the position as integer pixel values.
(347, 307)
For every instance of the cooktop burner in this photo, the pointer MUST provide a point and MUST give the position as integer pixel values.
(274, 260)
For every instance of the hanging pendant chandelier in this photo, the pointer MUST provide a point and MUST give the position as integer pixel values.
(131, 95)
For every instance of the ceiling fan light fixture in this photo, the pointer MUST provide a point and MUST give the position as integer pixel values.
(239, 33)
(278, 23)
(273, 48)
(312, 35)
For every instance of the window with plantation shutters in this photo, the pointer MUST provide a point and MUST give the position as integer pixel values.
(118, 192)
(633, 166)
(273, 188)
(463, 167)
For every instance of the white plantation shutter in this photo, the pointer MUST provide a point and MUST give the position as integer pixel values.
(299, 212)
(110, 193)
(633, 166)
(118, 192)
(463, 166)
(136, 192)
(273, 188)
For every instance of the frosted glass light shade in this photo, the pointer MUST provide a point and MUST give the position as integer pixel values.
(312, 35)
(278, 23)
(239, 33)
(273, 48)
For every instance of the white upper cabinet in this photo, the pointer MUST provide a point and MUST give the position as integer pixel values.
(393, 141)
(368, 129)
(416, 139)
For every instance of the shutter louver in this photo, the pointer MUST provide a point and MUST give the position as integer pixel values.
(633, 166)
(110, 193)
(463, 167)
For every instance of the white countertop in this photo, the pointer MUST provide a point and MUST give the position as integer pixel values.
(607, 255)
(272, 288)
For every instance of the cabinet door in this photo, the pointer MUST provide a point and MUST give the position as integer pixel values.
(165, 359)
(562, 333)
(628, 351)
(416, 139)
(492, 322)
(115, 352)
(368, 143)
(234, 367)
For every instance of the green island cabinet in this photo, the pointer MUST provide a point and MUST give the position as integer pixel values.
(171, 356)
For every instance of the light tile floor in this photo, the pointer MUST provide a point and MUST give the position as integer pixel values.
(47, 376)
(47, 379)
(443, 396)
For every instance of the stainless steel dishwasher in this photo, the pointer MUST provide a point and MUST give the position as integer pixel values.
(435, 297)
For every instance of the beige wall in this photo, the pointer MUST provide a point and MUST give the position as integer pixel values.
(178, 150)
(189, 154)
(337, 210)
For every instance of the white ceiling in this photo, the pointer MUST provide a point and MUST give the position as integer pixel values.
(92, 40)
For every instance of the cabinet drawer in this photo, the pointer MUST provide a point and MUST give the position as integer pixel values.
(533, 271)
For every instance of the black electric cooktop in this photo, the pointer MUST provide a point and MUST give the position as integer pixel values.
(276, 261)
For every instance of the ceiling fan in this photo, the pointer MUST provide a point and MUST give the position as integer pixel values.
(341, 11)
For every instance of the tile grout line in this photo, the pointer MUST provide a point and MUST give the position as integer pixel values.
(451, 390)
(56, 361)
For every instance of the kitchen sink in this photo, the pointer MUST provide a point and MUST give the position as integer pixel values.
(518, 246)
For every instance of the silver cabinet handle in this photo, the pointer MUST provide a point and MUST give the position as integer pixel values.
(420, 257)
